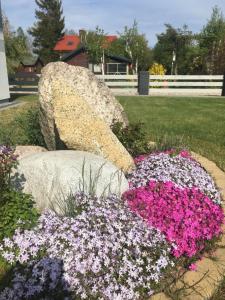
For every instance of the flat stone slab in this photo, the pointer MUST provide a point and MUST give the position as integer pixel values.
(202, 283)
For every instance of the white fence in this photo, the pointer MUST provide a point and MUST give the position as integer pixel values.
(121, 84)
(159, 85)
(196, 85)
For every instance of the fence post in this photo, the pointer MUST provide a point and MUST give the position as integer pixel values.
(143, 83)
(223, 88)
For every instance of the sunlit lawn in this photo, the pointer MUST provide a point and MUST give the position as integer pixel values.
(198, 122)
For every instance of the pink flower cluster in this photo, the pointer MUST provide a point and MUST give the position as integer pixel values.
(185, 216)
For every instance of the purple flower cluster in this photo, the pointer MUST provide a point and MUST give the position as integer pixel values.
(180, 169)
(107, 252)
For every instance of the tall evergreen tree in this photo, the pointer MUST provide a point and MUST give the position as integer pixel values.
(211, 41)
(48, 28)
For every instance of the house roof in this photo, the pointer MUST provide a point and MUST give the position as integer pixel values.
(71, 42)
(67, 43)
(67, 56)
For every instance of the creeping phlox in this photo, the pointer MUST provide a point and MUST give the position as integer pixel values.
(180, 169)
(104, 252)
(186, 216)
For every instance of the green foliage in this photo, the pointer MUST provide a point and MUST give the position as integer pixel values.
(95, 42)
(29, 126)
(212, 42)
(48, 28)
(16, 46)
(133, 138)
(14, 206)
(16, 210)
(177, 41)
(134, 45)
(7, 161)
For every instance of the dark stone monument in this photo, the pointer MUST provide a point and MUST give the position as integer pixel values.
(143, 83)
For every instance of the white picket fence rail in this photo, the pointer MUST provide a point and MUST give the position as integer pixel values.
(199, 85)
(208, 85)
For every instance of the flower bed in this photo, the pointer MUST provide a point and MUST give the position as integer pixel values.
(181, 169)
(187, 217)
(105, 252)
(118, 248)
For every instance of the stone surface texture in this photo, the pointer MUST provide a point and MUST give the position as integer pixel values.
(202, 283)
(51, 176)
(76, 113)
(23, 151)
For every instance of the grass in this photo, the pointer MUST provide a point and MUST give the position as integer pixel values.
(198, 122)
(9, 130)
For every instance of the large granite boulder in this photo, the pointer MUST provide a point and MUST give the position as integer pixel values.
(76, 113)
(51, 176)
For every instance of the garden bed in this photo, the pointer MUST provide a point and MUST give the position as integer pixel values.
(203, 283)
(129, 248)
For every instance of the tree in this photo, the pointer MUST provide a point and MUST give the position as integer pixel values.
(134, 46)
(173, 48)
(211, 40)
(16, 46)
(96, 44)
(48, 29)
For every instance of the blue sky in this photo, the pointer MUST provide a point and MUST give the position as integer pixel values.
(113, 15)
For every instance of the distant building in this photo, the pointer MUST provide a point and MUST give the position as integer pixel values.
(4, 84)
(31, 65)
(72, 52)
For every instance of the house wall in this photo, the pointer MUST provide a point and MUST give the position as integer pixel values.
(79, 60)
(30, 69)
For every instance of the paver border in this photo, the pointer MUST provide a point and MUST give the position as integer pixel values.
(197, 286)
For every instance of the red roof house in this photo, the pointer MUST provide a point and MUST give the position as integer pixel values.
(71, 42)
(74, 53)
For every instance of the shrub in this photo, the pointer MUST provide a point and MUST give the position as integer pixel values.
(28, 123)
(7, 162)
(107, 253)
(16, 210)
(186, 216)
(14, 206)
(179, 168)
(133, 137)
(157, 69)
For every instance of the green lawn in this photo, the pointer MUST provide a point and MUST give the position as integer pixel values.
(198, 122)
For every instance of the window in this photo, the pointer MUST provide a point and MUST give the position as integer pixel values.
(116, 68)
(69, 43)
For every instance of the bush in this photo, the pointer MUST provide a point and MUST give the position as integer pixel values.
(7, 162)
(14, 206)
(16, 210)
(28, 123)
(133, 137)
